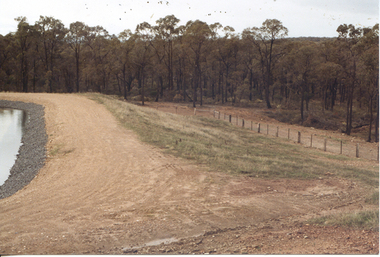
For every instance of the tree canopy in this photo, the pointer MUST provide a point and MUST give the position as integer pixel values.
(197, 62)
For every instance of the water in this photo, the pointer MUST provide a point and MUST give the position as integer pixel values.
(12, 123)
(152, 243)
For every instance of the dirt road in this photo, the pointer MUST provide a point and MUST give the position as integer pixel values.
(103, 191)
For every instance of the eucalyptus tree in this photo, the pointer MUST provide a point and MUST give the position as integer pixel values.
(369, 73)
(182, 60)
(329, 73)
(52, 33)
(6, 50)
(76, 38)
(167, 31)
(225, 48)
(303, 60)
(143, 54)
(228, 50)
(97, 58)
(24, 39)
(263, 40)
(196, 36)
(160, 45)
(249, 58)
(348, 38)
(215, 69)
(123, 55)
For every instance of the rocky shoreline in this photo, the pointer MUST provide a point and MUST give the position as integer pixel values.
(32, 153)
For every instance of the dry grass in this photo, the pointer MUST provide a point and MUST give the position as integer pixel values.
(227, 148)
(357, 220)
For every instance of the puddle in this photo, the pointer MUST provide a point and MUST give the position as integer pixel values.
(12, 123)
(152, 243)
(155, 243)
(160, 241)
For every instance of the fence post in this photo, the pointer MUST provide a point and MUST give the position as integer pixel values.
(341, 146)
(325, 144)
(230, 118)
(267, 129)
(357, 150)
(251, 125)
(242, 123)
(299, 137)
(258, 128)
(277, 132)
(311, 141)
(288, 133)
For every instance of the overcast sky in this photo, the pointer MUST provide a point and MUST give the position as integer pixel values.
(318, 18)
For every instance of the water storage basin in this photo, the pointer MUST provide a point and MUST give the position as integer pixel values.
(12, 123)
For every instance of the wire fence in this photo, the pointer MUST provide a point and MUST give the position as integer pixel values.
(332, 145)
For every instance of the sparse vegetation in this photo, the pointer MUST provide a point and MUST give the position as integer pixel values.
(227, 148)
(373, 198)
(357, 220)
(59, 149)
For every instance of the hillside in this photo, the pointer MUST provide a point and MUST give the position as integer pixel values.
(104, 191)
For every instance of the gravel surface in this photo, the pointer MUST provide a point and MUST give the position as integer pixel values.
(32, 153)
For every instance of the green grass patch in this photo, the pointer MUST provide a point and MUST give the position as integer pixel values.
(357, 220)
(225, 147)
(335, 156)
(373, 198)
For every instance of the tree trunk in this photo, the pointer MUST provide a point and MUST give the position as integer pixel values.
(24, 75)
(158, 90)
(201, 94)
(349, 115)
(222, 90)
(267, 100)
(370, 120)
(194, 93)
(333, 93)
(213, 90)
(171, 65)
(124, 83)
(34, 75)
(77, 69)
(184, 90)
(302, 99)
(225, 95)
(250, 85)
(141, 81)
(377, 120)
(161, 83)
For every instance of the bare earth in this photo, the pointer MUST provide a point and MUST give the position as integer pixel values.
(102, 191)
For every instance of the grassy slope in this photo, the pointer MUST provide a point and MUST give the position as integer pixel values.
(227, 148)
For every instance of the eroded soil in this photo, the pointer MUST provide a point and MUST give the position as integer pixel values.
(103, 191)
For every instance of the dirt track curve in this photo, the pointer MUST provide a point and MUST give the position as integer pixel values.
(103, 191)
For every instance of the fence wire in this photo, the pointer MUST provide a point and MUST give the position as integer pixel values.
(313, 140)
